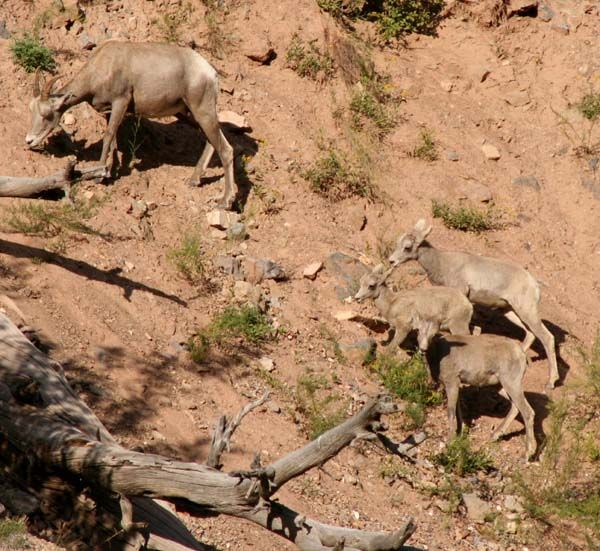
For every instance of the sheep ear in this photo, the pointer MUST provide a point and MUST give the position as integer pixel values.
(422, 229)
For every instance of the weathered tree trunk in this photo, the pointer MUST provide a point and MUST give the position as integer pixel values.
(53, 445)
(17, 186)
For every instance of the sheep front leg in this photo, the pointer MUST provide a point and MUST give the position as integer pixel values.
(109, 143)
(452, 390)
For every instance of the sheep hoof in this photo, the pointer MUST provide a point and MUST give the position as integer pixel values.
(193, 182)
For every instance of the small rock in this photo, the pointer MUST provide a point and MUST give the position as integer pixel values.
(357, 352)
(491, 152)
(523, 8)
(452, 156)
(138, 209)
(222, 219)
(513, 504)
(511, 526)
(86, 42)
(443, 505)
(474, 191)
(481, 74)
(477, 509)
(267, 364)
(446, 85)
(230, 117)
(257, 269)
(562, 27)
(157, 435)
(237, 232)
(274, 407)
(247, 293)
(4, 32)
(529, 181)
(231, 265)
(128, 266)
(348, 271)
(545, 12)
(311, 271)
(69, 119)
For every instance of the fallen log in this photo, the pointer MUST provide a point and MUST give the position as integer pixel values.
(53, 447)
(23, 186)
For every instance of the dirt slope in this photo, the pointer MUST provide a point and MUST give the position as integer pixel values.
(113, 309)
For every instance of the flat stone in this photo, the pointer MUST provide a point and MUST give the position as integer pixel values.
(475, 191)
(222, 219)
(514, 504)
(257, 269)
(477, 509)
(452, 156)
(267, 364)
(348, 271)
(237, 232)
(529, 181)
(545, 12)
(356, 352)
(446, 85)
(231, 265)
(490, 151)
(247, 293)
(311, 271)
(523, 8)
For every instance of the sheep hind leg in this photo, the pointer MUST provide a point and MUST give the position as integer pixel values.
(529, 336)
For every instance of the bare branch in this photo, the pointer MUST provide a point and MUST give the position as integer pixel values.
(224, 429)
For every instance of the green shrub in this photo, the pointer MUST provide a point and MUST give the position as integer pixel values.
(308, 61)
(189, 260)
(465, 218)
(333, 177)
(394, 18)
(322, 409)
(409, 380)
(12, 533)
(31, 54)
(458, 458)
(589, 106)
(426, 149)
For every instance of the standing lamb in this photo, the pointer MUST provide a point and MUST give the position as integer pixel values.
(480, 361)
(483, 280)
(401, 310)
(149, 79)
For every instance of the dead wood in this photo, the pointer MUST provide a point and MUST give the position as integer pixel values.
(57, 444)
(18, 186)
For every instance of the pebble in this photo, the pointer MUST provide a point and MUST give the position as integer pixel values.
(311, 271)
(490, 151)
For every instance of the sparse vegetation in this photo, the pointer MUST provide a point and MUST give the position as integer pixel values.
(466, 218)
(589, 106)
(189, 259)
(31, 54)
(583, 134)
(12, 532)
(394, 18)
(426, 149)
(321, 408)
(409, 380)
(307, 60)
(333, 177)
(567, 484)
(170, 23)
(459, 459)
(245, 322)
(370, 102)
(50, 219)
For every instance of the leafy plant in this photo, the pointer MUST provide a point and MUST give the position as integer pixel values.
(333, 177)
(49, 220)
(466, 218)
(189, 260)
(458, 458)
(31, 54)
(409, 380)
(308, 61)
(12, 532)
(589, 106)
(323, 410)
(426, 149)
(171, 22)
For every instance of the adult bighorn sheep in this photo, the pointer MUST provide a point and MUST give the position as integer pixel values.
(402, 309)
(149, 79)
(480, 361)
(483, 280)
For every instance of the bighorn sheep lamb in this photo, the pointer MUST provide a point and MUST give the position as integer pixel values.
(152, 80)
(483, 280)
(400, 310)
(479, 360)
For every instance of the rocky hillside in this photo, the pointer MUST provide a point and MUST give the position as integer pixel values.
(140, 288)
